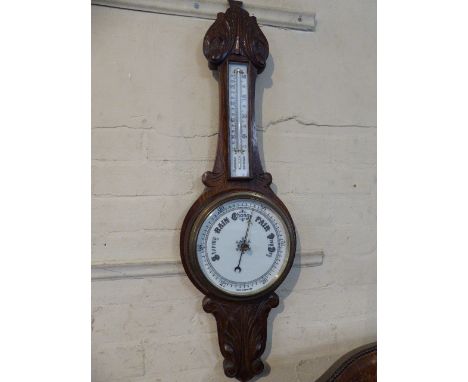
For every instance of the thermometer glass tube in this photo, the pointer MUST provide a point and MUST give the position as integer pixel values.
(238, 120)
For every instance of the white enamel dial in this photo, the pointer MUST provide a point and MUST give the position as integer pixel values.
(238, 120)
(243, 246)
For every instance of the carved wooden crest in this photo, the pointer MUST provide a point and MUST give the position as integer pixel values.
(235, 32)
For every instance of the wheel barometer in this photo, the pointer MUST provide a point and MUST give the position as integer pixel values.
(238, 239)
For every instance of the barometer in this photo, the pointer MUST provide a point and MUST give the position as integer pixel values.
(238, 239)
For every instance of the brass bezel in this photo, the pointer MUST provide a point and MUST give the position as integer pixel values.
(282, 273)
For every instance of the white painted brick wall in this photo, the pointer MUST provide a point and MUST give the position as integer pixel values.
(119, 143)
(178, 338)
(154, 133)
(142, 178)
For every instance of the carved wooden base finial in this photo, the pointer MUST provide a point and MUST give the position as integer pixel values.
(242, 333)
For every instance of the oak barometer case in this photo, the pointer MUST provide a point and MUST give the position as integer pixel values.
(238, 239)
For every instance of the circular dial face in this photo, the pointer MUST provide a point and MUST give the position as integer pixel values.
(243, 246)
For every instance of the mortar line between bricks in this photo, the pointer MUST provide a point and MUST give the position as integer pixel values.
(158, 196)
(279, 193)
(209, 162)
(144, 161)
(300, 121)
(138, 230)
(107, 196)
(264, 128)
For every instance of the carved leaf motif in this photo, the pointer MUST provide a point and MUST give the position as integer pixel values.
(212, 179)
(242, 332)
(218, 41)
(256, 44)
(235, 31)
(264, 179)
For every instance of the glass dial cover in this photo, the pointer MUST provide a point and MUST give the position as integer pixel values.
(242, 246)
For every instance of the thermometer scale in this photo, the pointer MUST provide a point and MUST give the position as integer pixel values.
(238, 120)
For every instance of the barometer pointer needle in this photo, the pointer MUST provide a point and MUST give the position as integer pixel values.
(244, 246)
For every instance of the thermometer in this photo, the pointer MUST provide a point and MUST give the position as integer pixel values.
(238, 120)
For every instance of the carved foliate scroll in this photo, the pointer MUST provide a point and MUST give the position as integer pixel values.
(235, 32)
(242, 333)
